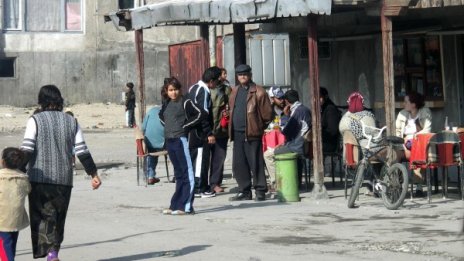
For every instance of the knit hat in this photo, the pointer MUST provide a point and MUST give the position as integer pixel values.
(277, 92)
(355, 102)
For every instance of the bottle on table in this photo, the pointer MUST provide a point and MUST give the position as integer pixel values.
(447, 127)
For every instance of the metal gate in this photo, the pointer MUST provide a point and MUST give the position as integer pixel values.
(187, 63)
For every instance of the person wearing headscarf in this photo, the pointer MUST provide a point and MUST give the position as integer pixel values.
(352, 121)
(357, 113)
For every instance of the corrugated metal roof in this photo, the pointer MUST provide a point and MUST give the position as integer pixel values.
(438, 3)
(176, 12)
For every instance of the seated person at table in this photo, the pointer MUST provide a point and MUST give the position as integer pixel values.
(298, 124)
(412, 120)
(351, 122)
(357, 113)
(330, 118)
(278, 104)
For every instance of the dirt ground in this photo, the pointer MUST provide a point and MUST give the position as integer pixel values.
(123, 221)
(90, 116)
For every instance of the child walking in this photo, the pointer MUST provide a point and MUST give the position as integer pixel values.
(179, 115)
(14, 187)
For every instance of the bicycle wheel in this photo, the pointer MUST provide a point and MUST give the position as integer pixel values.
(395, 186)
(356, 185)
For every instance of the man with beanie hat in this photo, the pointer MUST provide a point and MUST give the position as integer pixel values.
(250, 113)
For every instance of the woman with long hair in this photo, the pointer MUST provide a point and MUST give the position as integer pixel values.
(49, 140)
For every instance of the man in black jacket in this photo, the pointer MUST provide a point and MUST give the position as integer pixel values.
(130, 105)
(200, 151)
(330, 118)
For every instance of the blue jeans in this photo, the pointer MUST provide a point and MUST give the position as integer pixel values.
(151, 163)
(8, 245)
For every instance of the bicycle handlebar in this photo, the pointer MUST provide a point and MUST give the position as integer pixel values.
(370, 137)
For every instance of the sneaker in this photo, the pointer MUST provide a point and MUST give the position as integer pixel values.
(260, 196)
(218, 189)
(167, 211)
(153, 181)
(53, 256)
(208, 194)
(241, 196)
(178, 213)
(182, 213)
(197, 195)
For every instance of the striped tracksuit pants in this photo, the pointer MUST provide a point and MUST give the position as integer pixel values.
(183, 171)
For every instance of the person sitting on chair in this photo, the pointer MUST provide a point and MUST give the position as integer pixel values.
(412, 120)
(278, 104)
(298, 124)
(330, 118)
(352, 121)
(153, 132)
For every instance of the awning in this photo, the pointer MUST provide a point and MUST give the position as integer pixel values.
(194, 12)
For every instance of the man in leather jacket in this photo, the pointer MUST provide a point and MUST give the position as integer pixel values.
(250, 113)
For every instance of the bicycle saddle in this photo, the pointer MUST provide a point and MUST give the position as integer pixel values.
(394, 139)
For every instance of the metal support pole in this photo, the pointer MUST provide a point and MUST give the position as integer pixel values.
(140, 72)
(319, 191)
(204, 37)
(212, 45)
(239, 44)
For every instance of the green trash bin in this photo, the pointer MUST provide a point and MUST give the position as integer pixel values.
(287, 177)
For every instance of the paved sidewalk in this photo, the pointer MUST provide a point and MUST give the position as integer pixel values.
(123, 221)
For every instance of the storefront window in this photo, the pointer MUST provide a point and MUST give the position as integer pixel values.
(417, 67)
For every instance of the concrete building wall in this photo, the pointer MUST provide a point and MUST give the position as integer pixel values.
(92, 66)
(356, 63)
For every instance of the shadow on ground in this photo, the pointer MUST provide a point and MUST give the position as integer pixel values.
(103, 165)
(100, 242)
(170, 253)
(240, 205)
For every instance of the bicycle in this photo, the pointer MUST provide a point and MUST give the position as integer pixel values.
(393, 179)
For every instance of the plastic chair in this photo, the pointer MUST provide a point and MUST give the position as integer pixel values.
(142, 155)
(418, 160)
(444, 151)
(350, 157)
